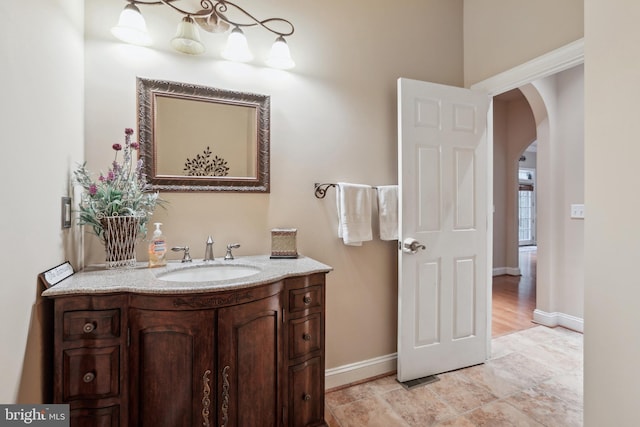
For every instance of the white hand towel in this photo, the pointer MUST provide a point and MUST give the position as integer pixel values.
(354, 213)
(388, 211)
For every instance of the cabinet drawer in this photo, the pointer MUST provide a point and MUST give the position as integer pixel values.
(90, 373)
(306, 394)
(96, 417)
(304, 335)
(91, 324)
(305, 298)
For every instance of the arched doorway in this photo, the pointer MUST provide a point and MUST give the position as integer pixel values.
(514, 281)
(556, 121)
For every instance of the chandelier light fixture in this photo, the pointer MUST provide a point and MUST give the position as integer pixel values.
(132, 28)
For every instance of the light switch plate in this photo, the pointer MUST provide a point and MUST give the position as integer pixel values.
(577, 211)
(65, 216)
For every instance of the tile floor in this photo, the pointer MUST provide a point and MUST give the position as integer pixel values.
(534, 378)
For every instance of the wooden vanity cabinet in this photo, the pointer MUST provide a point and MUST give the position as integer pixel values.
(241, 358)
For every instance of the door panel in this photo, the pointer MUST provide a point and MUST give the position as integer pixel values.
(170, 371)
(249, 387)
(443, 176)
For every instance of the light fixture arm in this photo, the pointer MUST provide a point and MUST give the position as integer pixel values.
(219, 8)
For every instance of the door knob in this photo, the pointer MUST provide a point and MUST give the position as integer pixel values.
(411, 246)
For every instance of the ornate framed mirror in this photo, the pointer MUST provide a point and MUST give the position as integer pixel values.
(198, 138)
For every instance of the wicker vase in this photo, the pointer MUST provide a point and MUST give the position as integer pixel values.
(120, 234)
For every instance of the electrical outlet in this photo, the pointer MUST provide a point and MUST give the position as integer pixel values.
(577, 211)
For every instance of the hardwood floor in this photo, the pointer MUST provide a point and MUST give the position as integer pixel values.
(514, 297)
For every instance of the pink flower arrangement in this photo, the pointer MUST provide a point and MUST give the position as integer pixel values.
(123, 191)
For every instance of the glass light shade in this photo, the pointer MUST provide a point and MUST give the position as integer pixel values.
(237, 48)
(280, 56)
(187, 39)
(131, 27)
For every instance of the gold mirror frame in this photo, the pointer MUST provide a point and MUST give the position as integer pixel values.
(149, 90)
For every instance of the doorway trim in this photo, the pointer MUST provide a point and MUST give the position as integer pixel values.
(553, 62)
(558, 60)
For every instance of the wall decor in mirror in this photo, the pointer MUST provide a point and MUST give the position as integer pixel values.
(199, 138)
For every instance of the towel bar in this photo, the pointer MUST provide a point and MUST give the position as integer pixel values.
(321, 189)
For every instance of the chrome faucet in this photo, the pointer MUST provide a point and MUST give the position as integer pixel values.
(208, 252)
(187, 256)
(229, 255)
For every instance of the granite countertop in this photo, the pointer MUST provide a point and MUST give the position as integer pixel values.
(144, 280)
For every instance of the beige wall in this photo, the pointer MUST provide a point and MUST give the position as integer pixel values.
(333, 118)
(501, 34)
(570, 97)
(41, 117)
(612, 234)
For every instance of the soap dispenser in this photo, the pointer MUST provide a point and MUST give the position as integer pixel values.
(157, 248)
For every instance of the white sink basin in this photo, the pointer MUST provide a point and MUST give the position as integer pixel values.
(209, 273)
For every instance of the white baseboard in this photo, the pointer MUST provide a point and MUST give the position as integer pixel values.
(354, 372)
(511, 271)
(558, 319)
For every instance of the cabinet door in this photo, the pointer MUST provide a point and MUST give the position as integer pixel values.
(249, 364)
(171, 368)
(306, 394)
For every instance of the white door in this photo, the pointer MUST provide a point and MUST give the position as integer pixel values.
(443, 304)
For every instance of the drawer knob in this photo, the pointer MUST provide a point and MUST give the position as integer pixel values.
(88, 377)
(89, 327)
(306, 397)
(306, 300)
(306, 337)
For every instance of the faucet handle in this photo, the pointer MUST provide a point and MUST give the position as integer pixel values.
(187, 256)
(229, 255)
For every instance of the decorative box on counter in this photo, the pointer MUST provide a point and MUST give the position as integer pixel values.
(283, 243)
